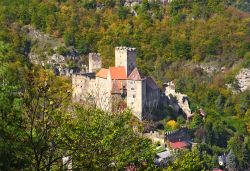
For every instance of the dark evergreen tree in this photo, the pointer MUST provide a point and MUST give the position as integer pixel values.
(231, 161)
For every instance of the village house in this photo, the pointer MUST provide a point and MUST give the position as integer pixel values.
(177, 140)
(162, 158)
(121, 85)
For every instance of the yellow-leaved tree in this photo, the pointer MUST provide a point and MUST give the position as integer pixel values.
(171, 125)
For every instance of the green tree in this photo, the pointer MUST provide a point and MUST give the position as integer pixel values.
(69, 38)
(181, 120)
(231, 163)
(106, 141)
(189, 161)
(220, 102)
(181, 49)
(12, 149)
(90, 4)
(45, 103)
(238, 146)
(122, 12)
(196, 121)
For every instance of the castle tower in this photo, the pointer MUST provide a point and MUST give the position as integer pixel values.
(95, 62)
(136, 93)
(126, 57)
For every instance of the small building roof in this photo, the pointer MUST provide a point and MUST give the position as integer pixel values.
(164, 154)
(136, 75)
(103, 73)
(178, 145)
(118, 73)
(216, 169)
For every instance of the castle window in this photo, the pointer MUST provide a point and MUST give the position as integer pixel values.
(133, 96)
(132, 89)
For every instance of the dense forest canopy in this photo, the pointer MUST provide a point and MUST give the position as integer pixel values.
(171, 40)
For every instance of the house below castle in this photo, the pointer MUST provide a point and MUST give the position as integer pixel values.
(119, 86)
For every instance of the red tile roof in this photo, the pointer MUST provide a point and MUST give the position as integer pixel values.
(103, 73)
(118, 73)
(136, 75)
(178, 145)
(215, 169)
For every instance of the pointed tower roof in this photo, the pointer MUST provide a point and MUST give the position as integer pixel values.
(136, 75)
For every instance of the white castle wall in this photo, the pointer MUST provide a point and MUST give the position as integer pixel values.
(136, 97)
(98, 90)
(78, 85)
(103, 94)
(95, 62)
(83, 87)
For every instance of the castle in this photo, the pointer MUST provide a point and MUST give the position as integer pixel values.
(121, 86)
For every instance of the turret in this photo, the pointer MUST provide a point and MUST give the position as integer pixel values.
(125, 56)
(136, 93)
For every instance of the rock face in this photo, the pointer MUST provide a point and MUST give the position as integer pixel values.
(132, 3)
(177, 100)
(209, 68)
(51, 52)
(243, 79)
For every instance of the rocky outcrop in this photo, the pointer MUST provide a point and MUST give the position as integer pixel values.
(177, 100)
(210, 69)
(243, 79)
(129, 3)
(51, 52)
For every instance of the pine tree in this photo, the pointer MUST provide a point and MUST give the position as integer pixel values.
(230, 162)
(244, 162)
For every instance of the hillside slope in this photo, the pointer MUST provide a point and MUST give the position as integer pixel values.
(202, 46)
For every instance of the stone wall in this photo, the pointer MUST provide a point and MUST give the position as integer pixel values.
(136, 97)
(153, 97)
(102, 94)
(156, 137)
(80, 87)
(92, 90)
(95, 62)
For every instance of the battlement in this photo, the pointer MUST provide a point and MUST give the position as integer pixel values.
(125, 48)
(125, 56)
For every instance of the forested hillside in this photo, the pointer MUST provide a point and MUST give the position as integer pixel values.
(175, 42)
